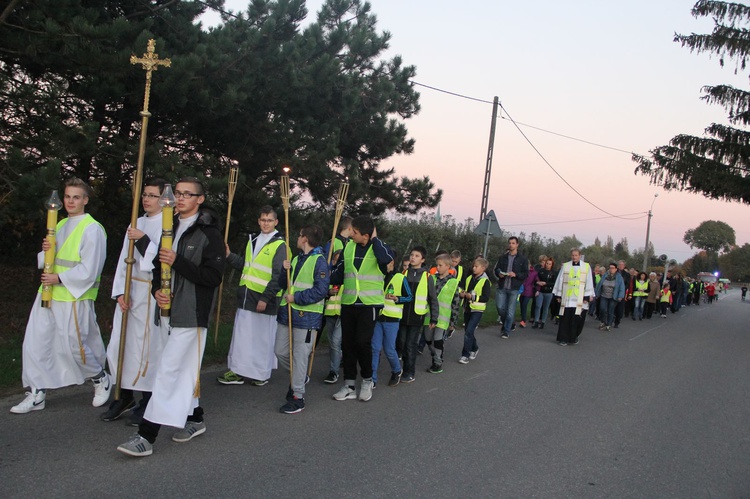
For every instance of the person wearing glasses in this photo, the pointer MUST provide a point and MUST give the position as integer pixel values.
(251, 352)
(143, 343)
(197, 263)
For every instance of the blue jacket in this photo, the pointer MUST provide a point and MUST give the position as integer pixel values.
(319, 291)
(619, 293)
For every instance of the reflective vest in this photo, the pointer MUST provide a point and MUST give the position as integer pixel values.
(257, 273)
(445, 304)
(641, 289)
(333, 304)
(305, 280)
(337, 245)
(68, 256)
(392, 308)
(666, 296)
(365, 283)
(459, 274)
(420, 297)
(477, 306)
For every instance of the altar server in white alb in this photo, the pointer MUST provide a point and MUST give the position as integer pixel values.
(63, 345)
(251, 354)
(143, 341)
(197, 268)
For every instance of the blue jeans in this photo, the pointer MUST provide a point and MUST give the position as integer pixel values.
(333, 330)
(640, 301)
(505, 300)
(607, 308)
(542, 307)
(384, 338)
(470, 341)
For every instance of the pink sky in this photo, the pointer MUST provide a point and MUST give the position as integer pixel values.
(598, 71)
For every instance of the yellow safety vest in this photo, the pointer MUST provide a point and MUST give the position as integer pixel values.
(392, 308)
(68, 256)
(641, 289)
(477, 306)
(365, 283)
(445, 304)
(665, 296)
(305, 280)
(333, 304)
(257, 273)
(420, 296)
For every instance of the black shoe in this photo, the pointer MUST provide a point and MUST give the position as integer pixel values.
(513, 327)
(289, 394)
(541, 326)
(395, 378)
(116, 409)
(409, 378)
(331, 378)
(435, 369)
(136, 415)
(535, 326)
(293, 406)
(617, 326)
(420, 351)
(577, 341)
(504, 336)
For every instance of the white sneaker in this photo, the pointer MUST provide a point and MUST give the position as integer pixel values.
(463, 360)
(365, 391)
(473, 355)
(34, 401)
(346, 393)
(102, 387)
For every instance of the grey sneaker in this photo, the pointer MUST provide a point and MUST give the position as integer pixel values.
(365, 391)
(346, 393)
(191, 429)
(137, 446)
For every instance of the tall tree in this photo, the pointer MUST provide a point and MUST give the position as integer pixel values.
(717, 164)
(712, 236)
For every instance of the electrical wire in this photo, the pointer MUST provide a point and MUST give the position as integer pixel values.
(643, 214)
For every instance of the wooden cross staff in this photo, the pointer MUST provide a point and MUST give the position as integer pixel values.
(150, 63)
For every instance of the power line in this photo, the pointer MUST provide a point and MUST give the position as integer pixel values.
(642, 214)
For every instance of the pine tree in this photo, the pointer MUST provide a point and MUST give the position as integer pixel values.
(717, 164)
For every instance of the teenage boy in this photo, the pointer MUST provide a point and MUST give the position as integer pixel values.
(143, 343)
(307, 293)
(423, 307)
(476, 295)
(254, 334)
(362, 269)
(197, 263)
(448, 300)
(63, 345)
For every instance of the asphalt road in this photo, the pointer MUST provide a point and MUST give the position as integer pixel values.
(657, 408)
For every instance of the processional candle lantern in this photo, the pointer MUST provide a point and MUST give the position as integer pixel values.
(167, 203)
(53, 205)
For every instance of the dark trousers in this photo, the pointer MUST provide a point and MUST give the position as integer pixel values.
(411, 339)
(649, 309)
(619, 311)
(571, 325)
(357, 326)
(150, 431)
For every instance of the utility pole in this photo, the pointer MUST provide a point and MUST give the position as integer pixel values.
(648, 234)
(488, 168)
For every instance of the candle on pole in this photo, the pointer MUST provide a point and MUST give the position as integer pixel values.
(53, 205)
(285, 200)
(167, 203)
(234, 174)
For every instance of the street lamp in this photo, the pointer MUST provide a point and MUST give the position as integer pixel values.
(648, 233)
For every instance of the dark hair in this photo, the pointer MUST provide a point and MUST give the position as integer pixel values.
(268, 210)
(197, 183)
(421, 249)
(642, 274)
(513, 237)
(364, 225)
(612, 263)
(155, 182)
(441, 252)
(313, 233)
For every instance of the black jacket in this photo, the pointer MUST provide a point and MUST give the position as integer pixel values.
(197, 271)
(520, 268)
